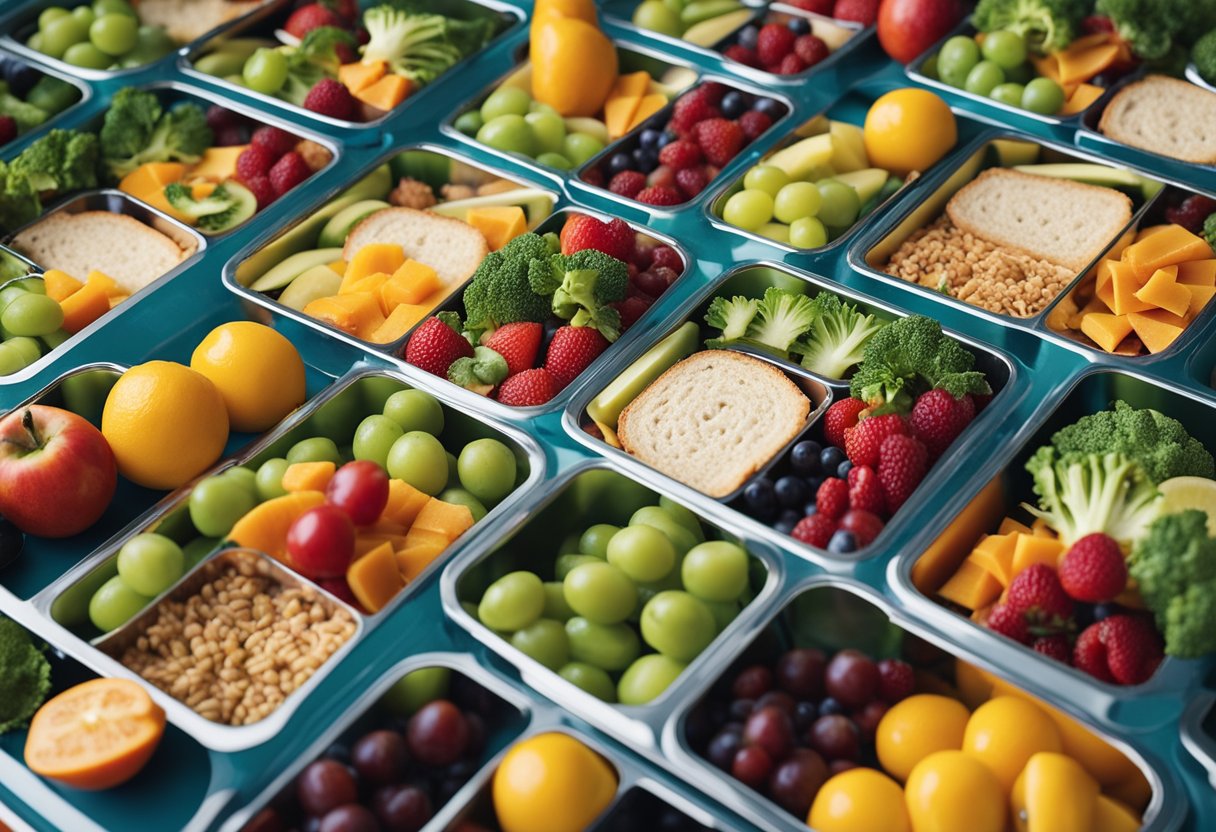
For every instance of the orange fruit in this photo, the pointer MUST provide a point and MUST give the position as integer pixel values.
(551, 783)
(165, 423)
(908, 130)
(951, 791)
(857, 799)
(257, 371)
(95, 735)
(1005, 732)
(917, 727)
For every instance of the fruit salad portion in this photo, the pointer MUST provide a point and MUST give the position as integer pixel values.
(677, 153)
(29, 97)
(1101, 568)
(833, 174)
(847, 722)
(335, 61)
(540, 310)
(107, 34)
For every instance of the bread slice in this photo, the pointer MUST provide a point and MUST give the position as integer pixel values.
(1164, 115)
(714, 419)
(122, 247)
(1067, 223)
(452, 247)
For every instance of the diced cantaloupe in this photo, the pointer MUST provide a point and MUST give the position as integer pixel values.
(366, 541)
(943, 555)
(995, 554)
(1144, 233)
(265, 527)
(412, 560)
(1039, 528)
(361, 74)
(82, 307)
(414, 282)
(1095, 304)
(648, 106)
(1168, 247)
(59, 284)
(1124, 283)
(404, 503)
(631, 84)
(619, 113)
(971, 587)
(1200, 297)
(417, 535)
(1106, 330)
(499, 224)
(1197, 272)
(1009, 525)
(1031, 549)
(386, 93)
(148, 181)
(308, 476)
(369, 285)
(1081, 99)
(1164, 292)
(1157, 328)
(1047, 65)
(449, 519)
(375, 257)
(105, 283)
(218, 163)
(401, 320)
(375, 579)
(355, 312)
(339, 267)
(1078, 65)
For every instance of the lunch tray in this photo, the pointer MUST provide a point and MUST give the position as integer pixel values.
(221, 777)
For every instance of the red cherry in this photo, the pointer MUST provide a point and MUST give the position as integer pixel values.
(321, 542)
(360, 489)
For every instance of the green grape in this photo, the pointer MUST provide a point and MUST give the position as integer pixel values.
(420, 460)
(62, 33)
(508, 133)
(27, 347)
(1010, 94)
(555, 602)
(35, 42)
(114, 604)
(197, 550)
(1004, 48)
(657, 16)
(797, 200)
(678, 625)
(150, 563)
(724, 612)
(581, 147)
(512, 602)
(88, 56)
(595, 540)
(684, 516)
(545, 641)
(647, 678)
(217, 503)
(808, 232)
(768, 178)
(32, 314)
(505, 101)
(415, 410)
(554, 160)
(542, 107)
(715, 571)
(103, 7)
(841, 205)
(453, 470)
(114, 34)
(12, 360)
(265, 71)
(983, 78)
(469, 123)
(1043, 96)
(566, 563)
(642, 552)
(316, 449)
(748, 209)
(154, 43)
(417, 688)
(681, 538)
(487, 469)
(48, 15)
(84, 14)
(591, 679)
(600, 592)
(460, 497)
(270, 478)
(609, 647)
(956, 58)
(247, 478)
(549, 129)
(374, 438)
(778, 232)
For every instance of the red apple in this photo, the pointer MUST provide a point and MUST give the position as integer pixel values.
(907, 28)
(57, 472)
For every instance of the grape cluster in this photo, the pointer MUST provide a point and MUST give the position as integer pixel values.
(105, 35)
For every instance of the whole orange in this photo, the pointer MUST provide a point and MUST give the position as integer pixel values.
(257, 371)
(909, 130)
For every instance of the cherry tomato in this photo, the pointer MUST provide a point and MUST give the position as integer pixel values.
(360, 489)
(321, 542)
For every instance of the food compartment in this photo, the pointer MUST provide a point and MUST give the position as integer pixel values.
(836, 707)
(338, 78)
(441, 208)
(1119, 468)
(32, 98)
(1009, 229)
(817, 347)
(560, 118)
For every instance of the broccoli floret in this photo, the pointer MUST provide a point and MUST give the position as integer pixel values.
(837, 337)
(19, 202)
(62, 160)
(417, 45)
(781, 319)
(137, 130)
(586, 282)
(129, 122)
(26, 115)
(1107, 493)
(1174, 566)
(1158, 443)
(480, 373)
(732, 317)
(1047, 25)
(25, 676)
(911, 356)
(1152, 26)
(1209, 231)
(500, 293)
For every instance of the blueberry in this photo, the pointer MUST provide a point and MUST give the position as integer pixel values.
(735, 104)
(12, 541)
(749, 36)
(843, 469)
(650, 137)
(805, 714)
(830, 706)
(810, 509)
(1103, 611)
(791, 491)
(842, 542)
(831, 457)
(813, 483)
(771, 107)
(645, 159)
(804, 457)
(20, 77)
(666, 138)
(784, 527)
(620, 162)
(759, 495)
(800, 26)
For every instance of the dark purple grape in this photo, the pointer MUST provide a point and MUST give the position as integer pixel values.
(752, 682)
(403, 808)
(831, 706)
(381, 757)
(835, 737)
(805, 714)
(851, 678)
(438, 734)
(777, 699)
(267, 820)
(741, 709)
(325, 785)
(772, 729)
(800, 673)
(795, 782)
(350, 818)
(838, 766)
(867, 718)
(751, 766)
(722, 749)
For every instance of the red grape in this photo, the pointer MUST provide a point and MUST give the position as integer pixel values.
(753, 682)
(795, 782)
(380, 757)
(778, 699)
(835, 737)
(800, 673)
(896, 680)
(403, 808)
(867, 718)
(772, 729)
(838, 766)
(321, 542)
(723, 747)
(851, 678)
(751, 766)
(349, 818)
(360, 489)
(325, 785)
(438, 734)
(267, 820)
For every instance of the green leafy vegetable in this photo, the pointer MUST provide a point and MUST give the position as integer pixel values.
(1174, 566)
(138, 130)
(1209, 231)
(1090, 493)
(500, 293)
(837, 337)
(60, 161)
(420, 46)
(25, 676)
(732, 317)
(19, 202)
(26, 115)
(1046, 25)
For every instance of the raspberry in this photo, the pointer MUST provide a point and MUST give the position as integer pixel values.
(661, 177)
(865, 525)
(811, 49)
(691, 181)
(1133, 648)
(1055, 646)
(815, 530)
(773, 43)
(938, 418)
(754, 123)
(720, 139)
(594, 176)
(741, 54)
(903, 461)
(274, 139)
(713, 92)
(630, 310)
(896, 680)
(528, 389)
(1010, 623)
(1037, 594)
(1094, 569)
(865, 491)
(254, 161)
(863, 442)
(628, 183)
(261, 188)
(660, 195)
(680, 154)
(691, 109)
(666, 257)
(841, 416)
(288, 172)
(1089, 654)
(791, 64)
(832, 498)
(330, 98)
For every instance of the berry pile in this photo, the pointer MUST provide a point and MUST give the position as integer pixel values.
(672, 163)
(864, 12)
(274, 162)
(782, 49)
(785, 729)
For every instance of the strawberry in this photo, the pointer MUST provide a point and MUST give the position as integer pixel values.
(680, 154)
(863, 442)
(666, 256)
(529, 388)
(864, 12)
(773, 43)
(660, 195)
(630, 310)
(903, 461)
(1036, 593)
(791, 64)
(571, 351)
(815, 530)
(832, 498)
(690, 109)
(274, 139)
(330, 98)
(896, 680)
(823, 7)
(865, 525)
(841, 416)
(720, 139)
(1056, 646)
(261, 188)
(8, 129)
(691, 181)
(518, 343)
(614, 238)
(254, 160)
(1010, 623)
(1133, 648)
(741, 54)
(865, 491)
(628, 183)
(313, 16)
(754, 123)
(435, 345)
(1089, 653)
(938, 418)
(288, 172)
(811, 49)
(1094, 569)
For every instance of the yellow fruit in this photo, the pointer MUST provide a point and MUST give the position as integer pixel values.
(858, 799)
(1054, 794)
(1112, 816)
(908, 130)
(916, 728)
(165, 423)
(1005, 732)
(551, 783)
(257, 371)
(574, 66)
(951, 791)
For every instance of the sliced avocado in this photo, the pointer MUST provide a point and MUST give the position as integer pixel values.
(1084, 172)
(245, 206)
(590, 126)
(335, 231)
(803, 156)
(314, 282)
(709, 32)
(1010, 152)
(606, 408)
(537, 204)
(866, 182)
(294, 266)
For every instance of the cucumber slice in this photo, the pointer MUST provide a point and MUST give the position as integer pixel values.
(246, 206)
(335, 231)
(315, 282)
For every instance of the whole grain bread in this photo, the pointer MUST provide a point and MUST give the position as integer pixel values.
(1164, 115)
(714, 419)
(451, 247)
(1064, 222)
(122, 247)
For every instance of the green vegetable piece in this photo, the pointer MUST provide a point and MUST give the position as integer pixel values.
(25, 676)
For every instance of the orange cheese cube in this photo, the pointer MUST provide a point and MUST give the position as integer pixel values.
(366, 541)
(1039, 528)
(360, 75)
(995, 554)
(412, 560)
(412, 282)
(386, 93)
(403, 318)
(1009, 525)
(1106, 330)
(1168, 247)
(370, 284)
(375, 579)
(82, 307)
(631, 85)
(1157, 328)
(971, 587)
(1031, 549)
(619, 113)
(1095, 304)
(105, 283)
(1124, 283)
(499, 224)
(1197, 272)
(1148, 232)
(308, 476)
(1200, 296)
(217, 164)
(1163, 291)
(449, 519)
(59, 284)
(375, 257)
